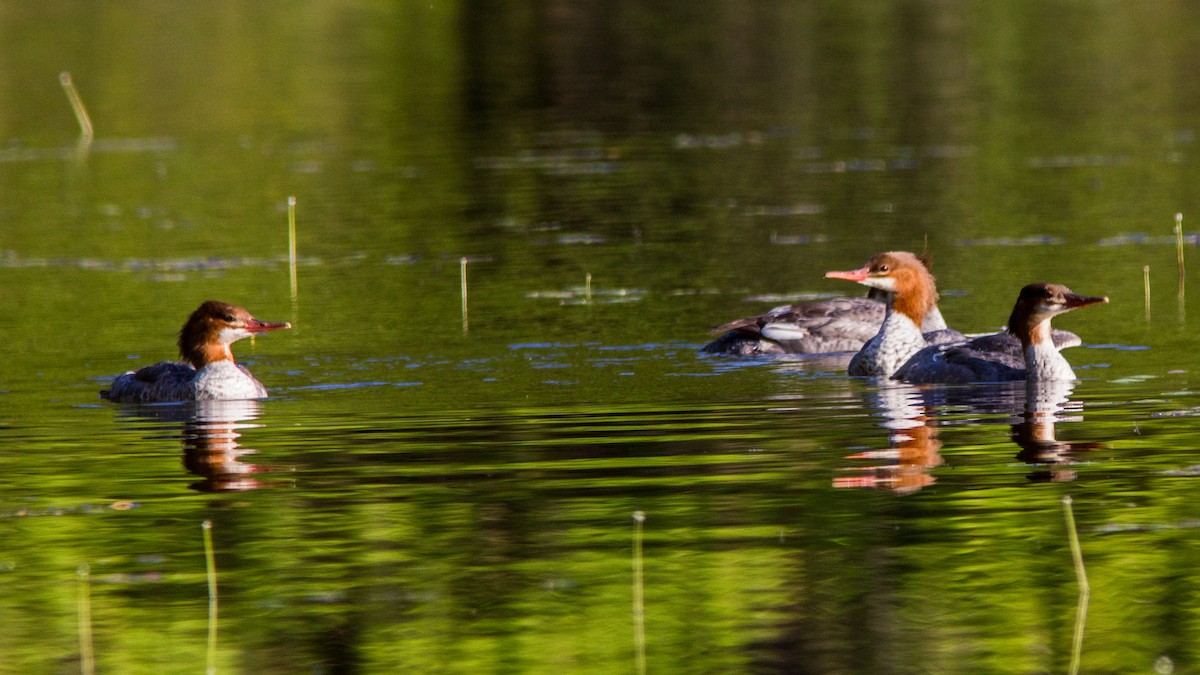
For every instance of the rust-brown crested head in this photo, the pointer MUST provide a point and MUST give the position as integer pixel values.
(904, 275)
(213, 327)
(1038, 303)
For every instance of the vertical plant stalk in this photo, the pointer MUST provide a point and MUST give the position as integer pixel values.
(87, 656)
(1182, 306)
(587, 288)
(462, 274)
(211, 565)
(639, 598)
(292, 243)
(1146, 286)
(81, 113)
(1179, 248)
(1085, 589)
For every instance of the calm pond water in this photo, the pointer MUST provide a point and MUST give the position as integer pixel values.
(550, 477)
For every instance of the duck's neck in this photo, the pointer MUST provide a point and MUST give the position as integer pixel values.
(915, 298)
(201, 355)
(933, 321)
(1043, 361)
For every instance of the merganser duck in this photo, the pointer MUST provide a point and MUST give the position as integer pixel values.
(817, 327)
(913, 294)
(985, 359)
(209, 372)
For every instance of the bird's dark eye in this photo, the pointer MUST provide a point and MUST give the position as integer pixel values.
(228, 317)
(883, 268)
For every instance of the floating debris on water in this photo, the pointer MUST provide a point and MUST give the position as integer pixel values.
(732, 139)
(83, 509)
(684, 292)
(557, 162)
(1187, 471)
(785, 210)
(1134, 379)
(1119, 528)
(575, 238)
(582, 295)
(1074, 161)
(109, 145)
(797, 239)
(859, 165)
(10, 259)
(1031, 240)
(1142, 238)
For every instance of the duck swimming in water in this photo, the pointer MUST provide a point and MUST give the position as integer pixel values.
(814, 327)
(989, 359)
(913, 294)
(208, 371)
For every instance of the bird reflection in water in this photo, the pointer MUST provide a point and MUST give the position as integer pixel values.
(1047, 403)
(912, 446)
(210, 434)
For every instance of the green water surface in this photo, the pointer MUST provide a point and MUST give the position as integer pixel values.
(440, 485)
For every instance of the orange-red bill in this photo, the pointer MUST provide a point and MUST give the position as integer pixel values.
(850, 275)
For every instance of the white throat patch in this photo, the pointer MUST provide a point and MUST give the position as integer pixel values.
(231, 335)
(882, 283)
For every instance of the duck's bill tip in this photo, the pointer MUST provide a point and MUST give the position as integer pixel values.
(264, 326)
(850, 275)
(1077, 301)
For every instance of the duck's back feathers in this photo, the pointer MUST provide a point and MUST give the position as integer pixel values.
(160, 382)
(819, 327)
(962, 363)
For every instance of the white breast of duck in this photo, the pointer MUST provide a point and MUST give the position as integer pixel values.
(897, 340)
(222, 380)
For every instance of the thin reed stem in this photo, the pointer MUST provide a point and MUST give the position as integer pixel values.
(211, 565)
(87, 655)
(639, 598)
(1179, 250)
(292, 242)
(462, 273)
(81, 114)
(1084, 587)
(1146, 286)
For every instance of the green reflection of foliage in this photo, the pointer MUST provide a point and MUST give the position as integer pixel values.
(658, 150)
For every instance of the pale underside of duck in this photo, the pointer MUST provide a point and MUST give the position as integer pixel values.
(174, 381)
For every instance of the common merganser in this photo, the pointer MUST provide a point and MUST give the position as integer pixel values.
(209, 372)
(913, 294)
(985, 359)
(816, 327)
